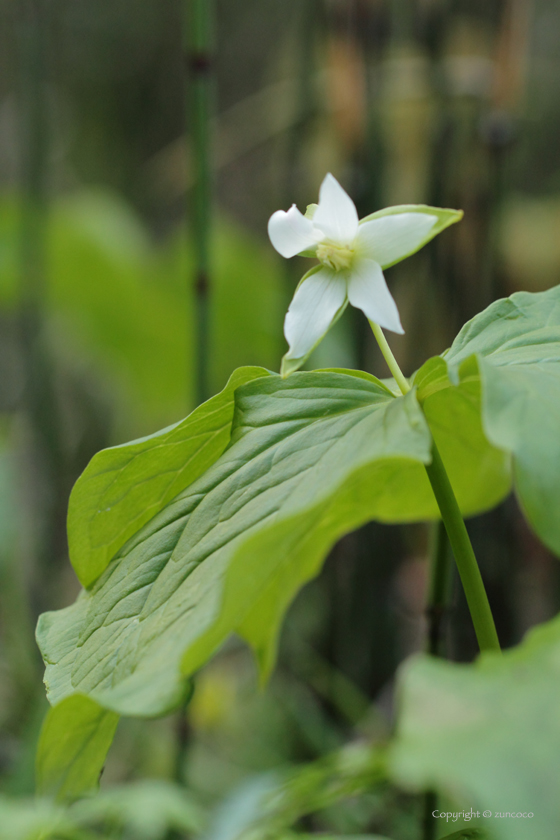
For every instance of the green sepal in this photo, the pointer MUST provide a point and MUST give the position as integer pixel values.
(445, 217)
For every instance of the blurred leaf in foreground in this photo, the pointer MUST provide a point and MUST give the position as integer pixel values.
(488, 734)
(144, 810)
(34, 819)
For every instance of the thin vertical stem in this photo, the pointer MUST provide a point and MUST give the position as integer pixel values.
(39, 393)
(392, 363)
(33, 167)
(199, 20)
(469, 572)
(465, 559)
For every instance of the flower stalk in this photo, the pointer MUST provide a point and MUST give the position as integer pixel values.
(455, 527)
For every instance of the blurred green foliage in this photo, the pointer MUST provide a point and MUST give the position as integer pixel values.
(120, 308)
(500, 707)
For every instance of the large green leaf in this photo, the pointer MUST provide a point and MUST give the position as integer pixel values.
(74, 742)
(513, 349)
(122, 488)
(487, 734)
(479, 472)
(311, 458)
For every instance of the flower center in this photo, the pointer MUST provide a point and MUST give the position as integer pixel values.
(334, 256)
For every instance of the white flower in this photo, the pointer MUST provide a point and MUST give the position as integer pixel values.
(351, 256)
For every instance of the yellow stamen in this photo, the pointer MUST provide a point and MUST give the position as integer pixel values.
(334, 256)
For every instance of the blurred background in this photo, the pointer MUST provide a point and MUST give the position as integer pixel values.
(116, 273)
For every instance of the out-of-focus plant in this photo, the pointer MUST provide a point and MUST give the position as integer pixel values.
(146, 810)
(139, 346)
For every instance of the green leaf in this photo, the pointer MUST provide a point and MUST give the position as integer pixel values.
(125, 486)
(513, 347)
(310, 458)
(146, 810)
(444, 218)
(74, 742)
(488, 733)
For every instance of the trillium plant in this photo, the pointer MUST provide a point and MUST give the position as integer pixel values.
(352, 255)
(212, 526)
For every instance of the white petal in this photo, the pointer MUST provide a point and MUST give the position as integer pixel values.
(312, 310)
(367, 290)
(336, 214)
(291, 232)
(392, 238)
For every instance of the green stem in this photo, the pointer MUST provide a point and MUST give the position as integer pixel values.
(469, 572)
(200, 64)
(392, 363)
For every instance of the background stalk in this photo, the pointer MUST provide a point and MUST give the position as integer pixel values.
(200, 69)
(437, 606)
(48, 461)
(198, 40)
(439, 591)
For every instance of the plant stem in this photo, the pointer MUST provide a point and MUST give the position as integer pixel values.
(392, 363)
(469, 572)
(200, 65)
